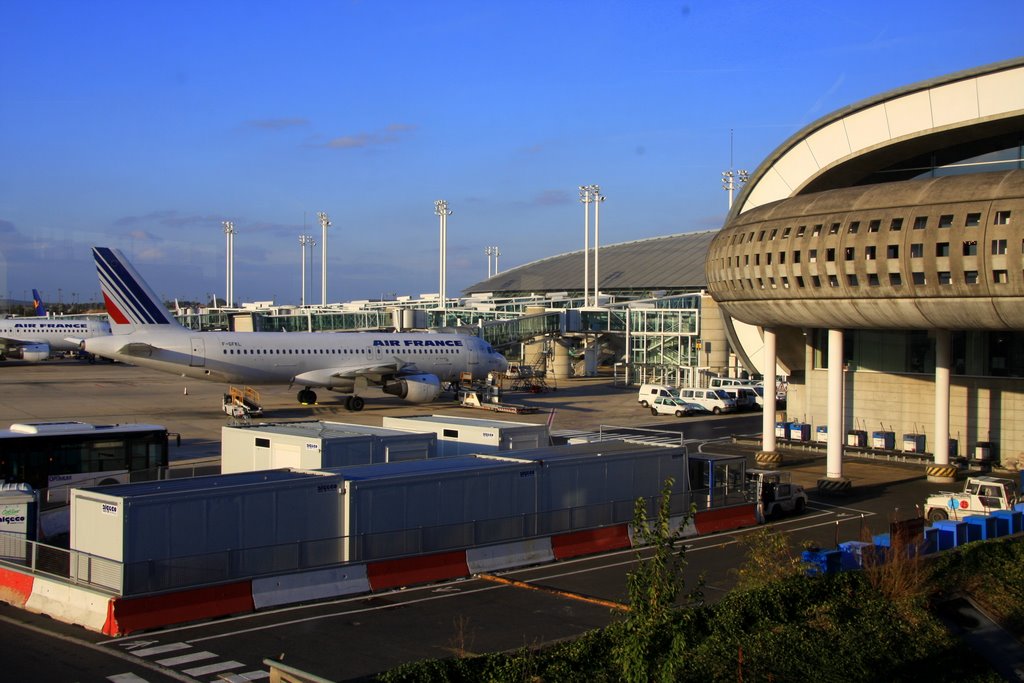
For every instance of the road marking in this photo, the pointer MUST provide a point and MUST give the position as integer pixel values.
(554, 591)
(246, 677)
(214, 668)
(161, 649)
(186, 659)
(126, 678)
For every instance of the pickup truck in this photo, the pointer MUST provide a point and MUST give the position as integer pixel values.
(981, 495)
(775, 494)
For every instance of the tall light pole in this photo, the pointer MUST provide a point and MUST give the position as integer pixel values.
(441, 209)
(324, 224)
(495, 252)
(586, 198)
(229, 233)
(733, 180)
(597, 198)
(305, 241)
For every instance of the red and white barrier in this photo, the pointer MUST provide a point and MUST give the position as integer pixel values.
(493, 558)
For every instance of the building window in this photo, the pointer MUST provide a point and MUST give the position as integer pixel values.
(854, 227)
(1002, 218)
(895, 279)
(785, 283)
(785, 232)
(760, 236)
(999, 277)
(916, 251)
(998, 246)
(782, 257)
(760, 283)
(796, 257)
(833, 229)
(801, 230)
(800, 281)
(892, 251)
(775, 231)
(973, 220)
(872, 279)
(815, 281)
(942, 249)
(896, 225)
(971, 277)
(768, 260)
(816, 231)
(833, 281)
(944, 277)
(771, 282)
(921, 222)
(851, 280)
(870, 253)
(971, 248)
(874, 225)
(830, 254)
(746, 259)
(757, 259)
(849, 253)
(919, 278)
(812, 256)
(946, 220)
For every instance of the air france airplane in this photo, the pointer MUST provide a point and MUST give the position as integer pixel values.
(411, 366)
(35, 339)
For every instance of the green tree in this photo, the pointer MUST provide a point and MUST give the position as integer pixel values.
(651, 639)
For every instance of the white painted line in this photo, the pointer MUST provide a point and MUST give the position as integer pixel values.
(246, 677)
(126, 678)
(161, 649)
(186, 659)
(213, 668)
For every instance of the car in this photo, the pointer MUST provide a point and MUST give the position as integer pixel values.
(670, 405)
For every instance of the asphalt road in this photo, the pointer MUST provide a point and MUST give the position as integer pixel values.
(353, 637)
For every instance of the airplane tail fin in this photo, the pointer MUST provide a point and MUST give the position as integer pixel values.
(37, 302)
(131, 304)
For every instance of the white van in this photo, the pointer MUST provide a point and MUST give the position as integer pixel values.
(649, 392)
(746, 398)
(713, 400)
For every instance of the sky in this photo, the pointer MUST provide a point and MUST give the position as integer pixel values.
(144, 125)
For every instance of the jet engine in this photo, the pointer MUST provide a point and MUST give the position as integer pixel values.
(30, 352)
(415, 388)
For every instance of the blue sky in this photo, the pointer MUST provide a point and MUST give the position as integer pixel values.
(143, 125)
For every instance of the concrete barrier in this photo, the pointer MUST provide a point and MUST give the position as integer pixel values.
(409, 571)
(127, 615)
(68, 603)
(15, 587)
(308, 586)
(507, 555)
(590, 542)
(726, 519)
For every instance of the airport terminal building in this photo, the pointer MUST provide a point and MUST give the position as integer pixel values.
(878, 256)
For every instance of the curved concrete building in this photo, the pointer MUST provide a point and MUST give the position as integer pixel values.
(879, 251)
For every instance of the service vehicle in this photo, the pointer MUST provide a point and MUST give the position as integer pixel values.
(775, 494)
(981, 496)
(649, 392)
(712, 400)
(670, 405)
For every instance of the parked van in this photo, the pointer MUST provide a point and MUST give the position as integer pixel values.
(712, 400)
(746, 398)
(726, 382)
(649, 392)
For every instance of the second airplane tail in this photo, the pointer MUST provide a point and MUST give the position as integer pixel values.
(131, 304)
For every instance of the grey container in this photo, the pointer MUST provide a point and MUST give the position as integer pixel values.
(203, 530)
(318, 445)
(468, 435)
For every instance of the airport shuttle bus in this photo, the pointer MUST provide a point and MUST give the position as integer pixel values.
(59, 455)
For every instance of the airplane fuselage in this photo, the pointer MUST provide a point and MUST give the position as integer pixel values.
(313, 359)
(54, 332)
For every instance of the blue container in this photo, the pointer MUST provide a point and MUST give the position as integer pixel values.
(822, 561)
(981, 527)
(951, 533)
(782, 430)
(799, 431)
(1014, 520)
(821, 433)
(854, 553)
(858, 438)
(931, 540)
(882, 540)
(883, 440)
(913, 443)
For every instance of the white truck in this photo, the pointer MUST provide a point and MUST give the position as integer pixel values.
(981, 495)
(775, 494)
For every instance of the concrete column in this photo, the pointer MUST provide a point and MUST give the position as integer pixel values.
(834, 482)
(942, 471)
(767, 454)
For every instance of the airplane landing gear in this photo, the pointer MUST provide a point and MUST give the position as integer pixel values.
(354, 403)
(307, 397)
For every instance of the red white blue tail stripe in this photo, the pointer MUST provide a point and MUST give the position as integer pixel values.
(129, 300)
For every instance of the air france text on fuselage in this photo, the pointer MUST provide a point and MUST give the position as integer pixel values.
(50, 326)
(417, 342)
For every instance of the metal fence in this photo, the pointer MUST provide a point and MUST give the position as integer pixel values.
(158, 575)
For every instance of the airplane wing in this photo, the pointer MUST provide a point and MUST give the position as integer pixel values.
(15, 343)
(375, 373)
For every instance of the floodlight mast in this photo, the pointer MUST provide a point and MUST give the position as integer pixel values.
(586, 198)
(733, 180)
(597, 198)
(306, 241)
(442, 211)
(229, 276)
(324, 224)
